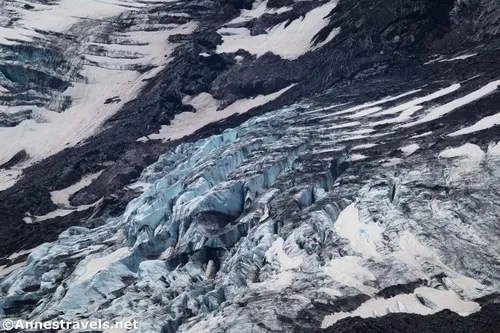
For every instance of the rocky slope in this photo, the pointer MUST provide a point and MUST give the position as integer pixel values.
(261, 166)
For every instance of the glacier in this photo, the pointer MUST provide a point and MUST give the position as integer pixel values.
(251, 165)
(275, 212)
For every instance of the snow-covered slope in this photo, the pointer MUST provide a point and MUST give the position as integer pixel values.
(69, 66)
(314, 166)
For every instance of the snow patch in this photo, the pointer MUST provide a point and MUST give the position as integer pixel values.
(365, 112)
(448, 107)
(60, 212)
(420, 100)
(421, 135)
(6, 270)
(485, 123)
(61, 197)
(410, 149)
(372, 104)
(349, 124)
(357, 157)
(88, 111)
(435, 301)
(461, 57)
(8, 177)
(494, 149)
(364, 146)
(416, 256)
(348, 271)
(207, 112)
(363, 237)
(467, 150)
(259, 9)
(95, 265)
(276, 254)
(289, 40)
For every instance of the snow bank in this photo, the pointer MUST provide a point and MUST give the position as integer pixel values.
(110, 77)
(435, 301)
(206, 107)
(449, 107)
(288, 40)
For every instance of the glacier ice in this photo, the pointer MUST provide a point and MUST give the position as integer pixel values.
(261, 222)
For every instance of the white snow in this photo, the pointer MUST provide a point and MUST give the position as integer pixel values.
(485, 123)
(8, 177)
(420, 100)
(4, 270)
(362, 237)
(365, 112)
(372, 104)
(448, 107)
(364, 146)
(404, 116)
(466, 158)
(140, 186)
(206, 112)
(494, 149)
(391, 162)
(357, 157)
(410, 149)
(20, 253)
(421, 135)
(349, 124)
(60, 212)
(467, 150)
(259, 9)
(462, 57)
(88, 111)
(417, 256)
(441, 59)
(95, 265)
(408, 303)
(349, 271)
(276, 253)
(61, 15)
(288, 41)
(61, 197)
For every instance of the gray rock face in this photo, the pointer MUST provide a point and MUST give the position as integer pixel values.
(362, 198)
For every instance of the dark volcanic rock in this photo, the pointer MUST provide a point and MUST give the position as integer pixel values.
(17, 158)
(486, 320)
